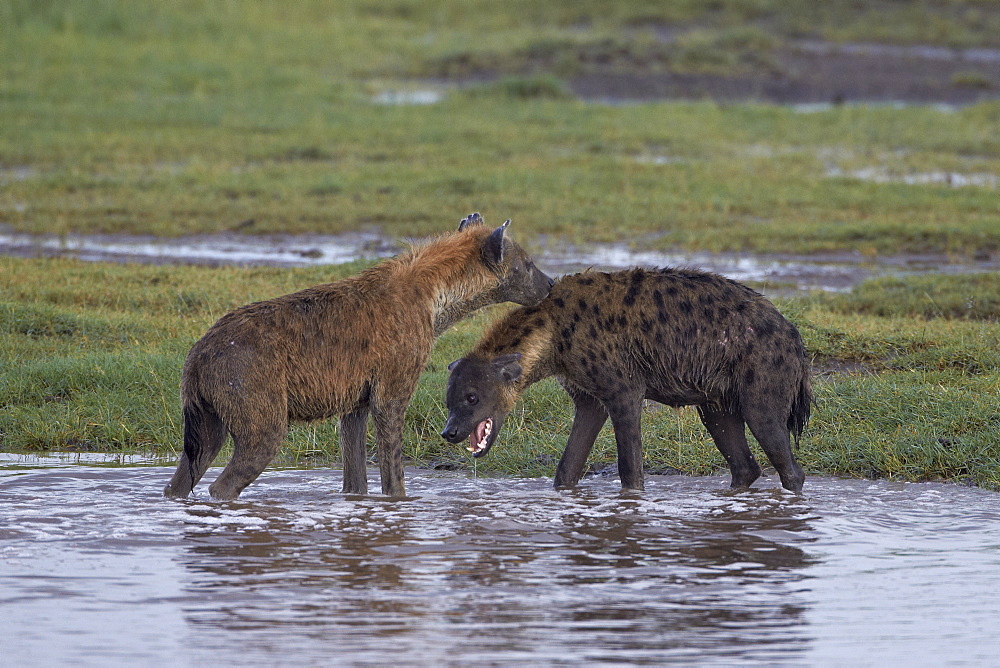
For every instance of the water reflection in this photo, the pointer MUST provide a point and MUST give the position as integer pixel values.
(492, 571)
(487, 567)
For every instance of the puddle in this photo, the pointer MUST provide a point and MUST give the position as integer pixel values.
(408, 97)
(952, 179)
(493, 572)
(269, 250)
(833, 272)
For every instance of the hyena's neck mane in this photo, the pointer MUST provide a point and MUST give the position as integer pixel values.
(527, 330)
(449, 275)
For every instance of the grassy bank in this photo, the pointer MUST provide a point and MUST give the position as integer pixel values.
(180, 118)
(173, 118)
(90, 357)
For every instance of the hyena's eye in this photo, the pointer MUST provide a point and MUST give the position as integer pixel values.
(472, 399)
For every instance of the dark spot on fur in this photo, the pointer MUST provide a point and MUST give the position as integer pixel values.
(622, 321)
(597, 310)
(748, 377)
(558, 301)
(778, 362)
(686, 307)
(658, 299)
(709, 313)
(592, 355)
(593, 332)
(764, 329)
(514, 343)
(582, 303)
(661, 316)
(586, 281)
(565, 333)
(647, 324)
(671, 290)
(576, 317)
(630, 296)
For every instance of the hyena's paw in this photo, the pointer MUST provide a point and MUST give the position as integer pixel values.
(471, 219)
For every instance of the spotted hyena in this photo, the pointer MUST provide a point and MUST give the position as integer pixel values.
(680, 337)
(350, 349)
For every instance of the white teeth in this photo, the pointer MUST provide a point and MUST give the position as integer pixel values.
(479, 447)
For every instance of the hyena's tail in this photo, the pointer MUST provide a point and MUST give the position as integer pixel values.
(204, 434)
(798, 416)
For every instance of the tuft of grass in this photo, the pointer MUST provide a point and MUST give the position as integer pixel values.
(967, 297)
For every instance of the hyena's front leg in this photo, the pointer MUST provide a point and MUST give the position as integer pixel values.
(388, 418)
(587, 424)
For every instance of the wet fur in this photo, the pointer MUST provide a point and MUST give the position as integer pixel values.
(679, 337)
(351, 349)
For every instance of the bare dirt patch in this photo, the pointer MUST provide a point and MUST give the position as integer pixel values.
(798, 72)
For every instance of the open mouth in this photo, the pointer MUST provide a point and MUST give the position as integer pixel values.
(480, 437)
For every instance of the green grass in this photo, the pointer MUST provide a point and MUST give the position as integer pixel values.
(173, 118)
(90, 358)
(188, 116)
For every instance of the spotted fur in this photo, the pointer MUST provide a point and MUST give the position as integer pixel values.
(680, 337)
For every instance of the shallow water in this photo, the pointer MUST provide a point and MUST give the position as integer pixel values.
(96, 567)
(775, 274)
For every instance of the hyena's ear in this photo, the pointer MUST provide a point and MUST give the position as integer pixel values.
(507, 366)
(493, 248)
(471, 219)
(454, 364)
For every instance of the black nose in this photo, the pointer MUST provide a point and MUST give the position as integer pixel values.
(450, 434)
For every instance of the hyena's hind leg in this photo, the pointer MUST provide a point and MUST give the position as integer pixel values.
(354, 451)
(770, 428)
(729, 433)
(204, 434)
(254, 447)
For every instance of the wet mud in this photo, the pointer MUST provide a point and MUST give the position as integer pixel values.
(794, 72)
(810, 73)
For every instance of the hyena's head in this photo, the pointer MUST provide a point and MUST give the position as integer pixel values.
(520, 281)
(481, 392)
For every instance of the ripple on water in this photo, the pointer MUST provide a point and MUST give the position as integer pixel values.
(492, 570)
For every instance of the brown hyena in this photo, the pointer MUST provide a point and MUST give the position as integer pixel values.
(349, 348)
(680, 337)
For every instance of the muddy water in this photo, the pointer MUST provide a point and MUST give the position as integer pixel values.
(97, 568)
(774, 274)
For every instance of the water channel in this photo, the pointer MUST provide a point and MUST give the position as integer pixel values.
(97, 568)
(772, 274)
